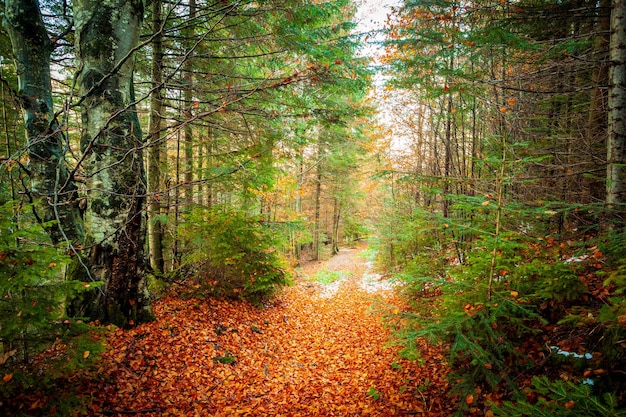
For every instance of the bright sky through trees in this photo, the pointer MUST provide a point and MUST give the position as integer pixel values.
(371, 16)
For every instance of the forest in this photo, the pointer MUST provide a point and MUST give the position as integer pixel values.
(310, 207)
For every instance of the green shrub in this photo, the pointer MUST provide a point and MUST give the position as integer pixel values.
(481, 333)
(560, 399)
(232, 254)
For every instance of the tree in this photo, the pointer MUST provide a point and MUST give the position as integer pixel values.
(616, 144)
(52, 186)
(156, 145)
(107, 34)
(111, 143)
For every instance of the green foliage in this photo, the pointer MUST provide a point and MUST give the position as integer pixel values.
(373, 393)
(548, 280)
(561, 399)
(40, 345)
(487, 297)
(226, 359)
(482, 294)
(481, 333)
(232, 254)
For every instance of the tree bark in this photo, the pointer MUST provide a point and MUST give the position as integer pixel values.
(596, 131)
(188, 103)
(155, 148)
(616, 139)
(107, 32)
(52, 188)
(317, 198)
(336, 218)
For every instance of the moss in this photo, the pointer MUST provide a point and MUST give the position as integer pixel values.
(97, 33)
(114, 315)
(145, 315)
(91, 79)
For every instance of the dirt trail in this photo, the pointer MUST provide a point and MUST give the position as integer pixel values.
(313, 352)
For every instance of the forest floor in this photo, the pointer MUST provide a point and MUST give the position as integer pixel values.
(318, 349)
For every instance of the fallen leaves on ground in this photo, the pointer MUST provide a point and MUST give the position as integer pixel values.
(308, 353)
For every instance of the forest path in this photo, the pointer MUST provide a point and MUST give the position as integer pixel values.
(317, 350)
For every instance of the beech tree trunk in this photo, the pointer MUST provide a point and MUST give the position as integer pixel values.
(50, 184)
(616, 138)
(106, 32)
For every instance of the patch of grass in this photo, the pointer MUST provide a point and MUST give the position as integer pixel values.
(327, 277)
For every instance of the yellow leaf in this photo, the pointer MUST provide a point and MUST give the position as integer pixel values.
(86, 354)
(514, 293)
(485, 203)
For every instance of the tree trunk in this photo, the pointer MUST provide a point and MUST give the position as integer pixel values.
(106, 32)
(318, 197)
(155, 148)
(188, 103)
(298, 203)
(51, 186)
(336, 218)
(616, 124)
(597, 119)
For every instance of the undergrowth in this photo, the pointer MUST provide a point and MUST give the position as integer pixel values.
(231, 254)
(40, 346)
(534, 322)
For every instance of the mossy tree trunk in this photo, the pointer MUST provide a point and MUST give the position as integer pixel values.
(51, 185)
(107, 31)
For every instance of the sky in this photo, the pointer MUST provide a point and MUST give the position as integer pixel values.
(372, 15)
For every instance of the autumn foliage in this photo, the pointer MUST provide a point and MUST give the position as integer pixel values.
(316, 349)
(310, 352)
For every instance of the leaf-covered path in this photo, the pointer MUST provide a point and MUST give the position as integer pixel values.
(317, 350)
